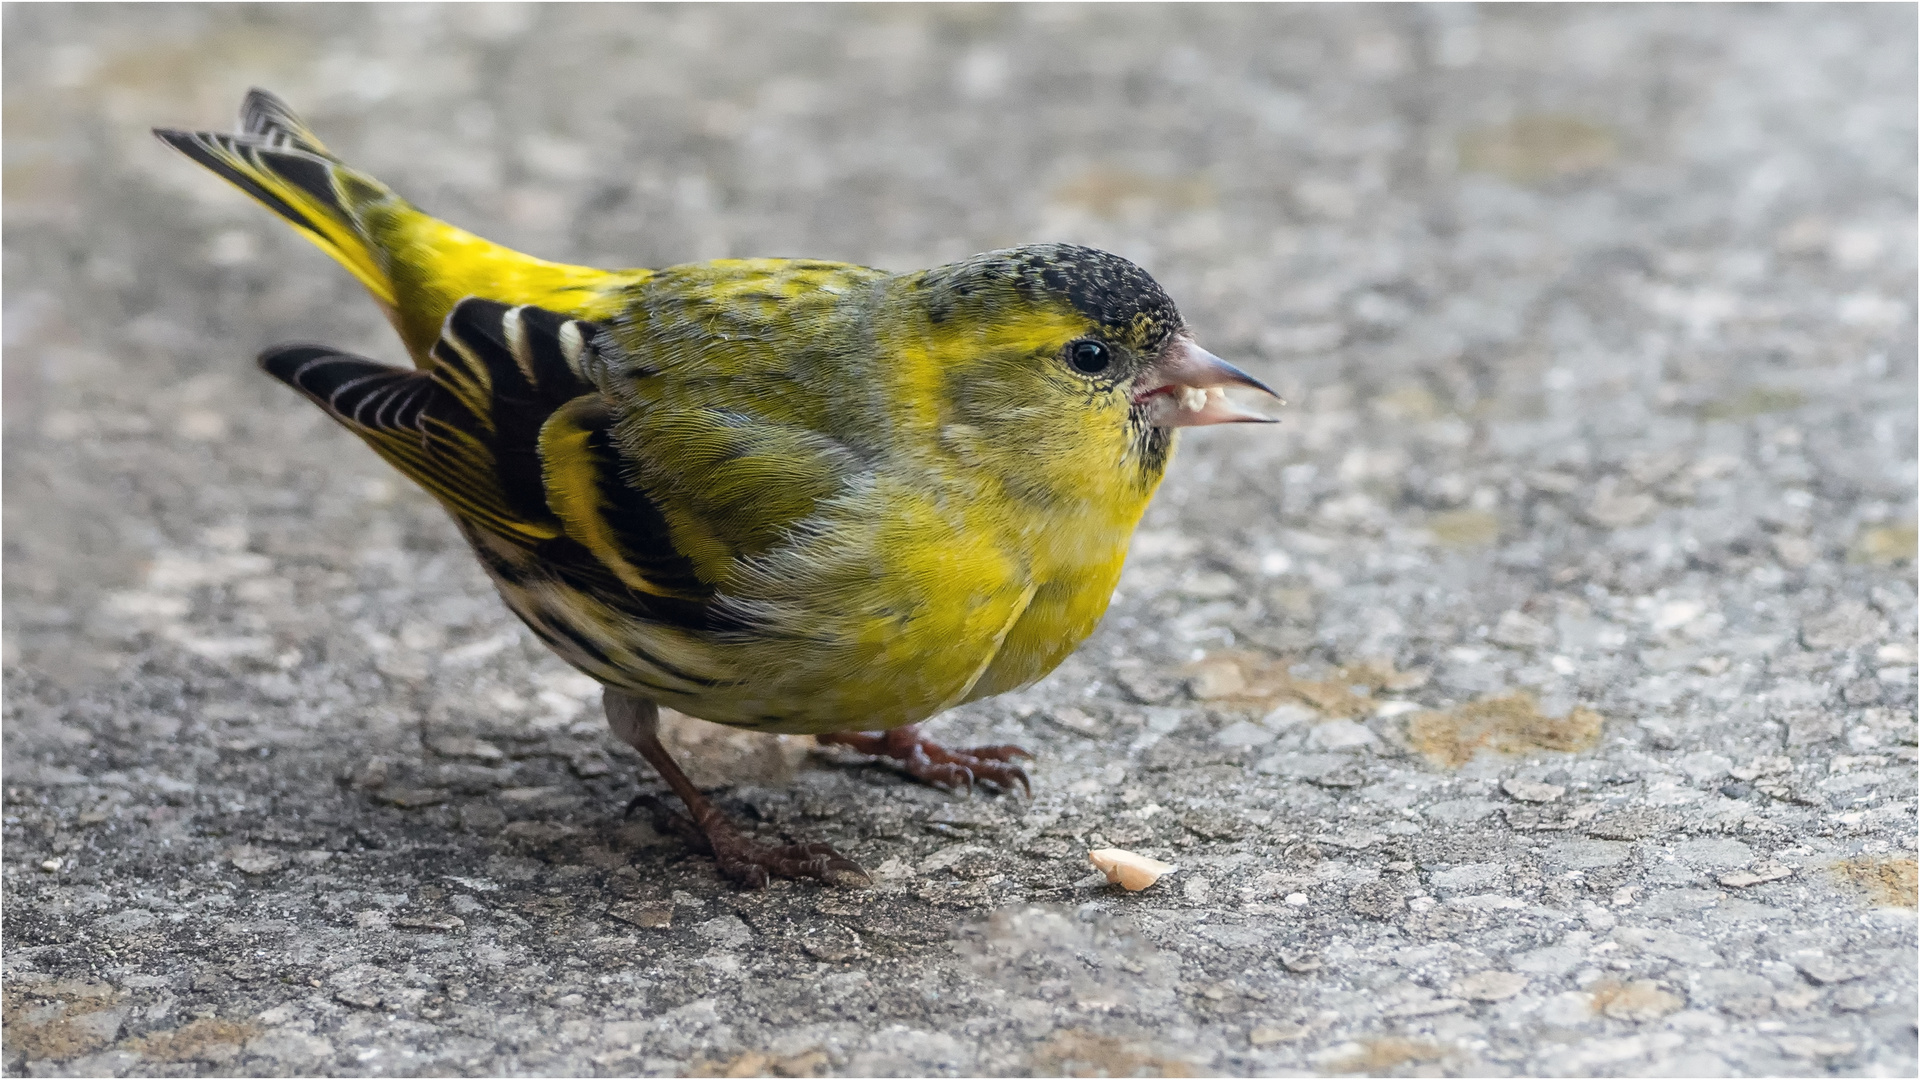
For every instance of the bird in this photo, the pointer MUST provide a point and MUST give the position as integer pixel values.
(785, 495)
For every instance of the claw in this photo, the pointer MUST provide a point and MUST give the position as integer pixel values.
(847, 874)
(1015, 772)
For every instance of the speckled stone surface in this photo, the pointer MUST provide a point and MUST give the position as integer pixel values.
(1538, 698)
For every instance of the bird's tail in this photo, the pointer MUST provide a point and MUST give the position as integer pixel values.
(282, 164)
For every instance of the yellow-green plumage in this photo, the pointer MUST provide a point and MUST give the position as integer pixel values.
(790, 495)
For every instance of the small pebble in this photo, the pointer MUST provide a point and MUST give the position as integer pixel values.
(650, 916)
(1490, 986)
(1532, 790)
(1340, 735)
(1301, 963)
(1760, 874)
(1075, 720)
(1268, 1034)
(50, 865)
(1824, 971)
(1298, 899)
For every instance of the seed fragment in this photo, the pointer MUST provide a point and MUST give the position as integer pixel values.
(1129, 871)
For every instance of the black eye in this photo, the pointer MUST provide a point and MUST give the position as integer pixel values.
(1089, 357)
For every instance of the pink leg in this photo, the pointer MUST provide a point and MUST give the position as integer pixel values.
(744, 860)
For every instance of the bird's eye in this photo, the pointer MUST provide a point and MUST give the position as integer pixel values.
(1089, 357)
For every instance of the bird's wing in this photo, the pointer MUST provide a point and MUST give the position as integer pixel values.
(650, 510)
(469, 428)
(740, 399)
(731, 484)
(588, 487)
(421, 427)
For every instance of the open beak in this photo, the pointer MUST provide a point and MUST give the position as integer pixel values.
(1186, 387)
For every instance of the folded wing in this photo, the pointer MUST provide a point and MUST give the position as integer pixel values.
(649, 514)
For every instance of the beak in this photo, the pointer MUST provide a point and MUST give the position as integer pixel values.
(1185, 387)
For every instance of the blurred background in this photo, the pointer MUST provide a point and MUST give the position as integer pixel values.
(1598, 327)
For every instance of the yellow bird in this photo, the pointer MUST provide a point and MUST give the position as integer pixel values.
(779, 494)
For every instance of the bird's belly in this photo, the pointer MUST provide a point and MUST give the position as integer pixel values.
(848, 669)
(1063, 612)
(883, 675)
(968, 629)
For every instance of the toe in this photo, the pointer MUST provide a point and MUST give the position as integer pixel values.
(1000, 753)
(753, 865)
(950, 775)
(751, 875)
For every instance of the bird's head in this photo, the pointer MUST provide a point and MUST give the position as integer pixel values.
(1071, 361)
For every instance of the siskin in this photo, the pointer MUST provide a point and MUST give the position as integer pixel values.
(779, 494)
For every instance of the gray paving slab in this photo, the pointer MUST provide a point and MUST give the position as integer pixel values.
(1537, 699)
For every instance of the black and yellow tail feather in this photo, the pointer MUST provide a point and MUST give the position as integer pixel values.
(275, 159)
(264, 116)
(415, 265)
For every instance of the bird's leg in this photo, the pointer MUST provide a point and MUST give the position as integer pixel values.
(931, 763)
(637, 722)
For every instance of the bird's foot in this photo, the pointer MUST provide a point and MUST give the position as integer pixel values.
(930, 763)
(747, 861)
